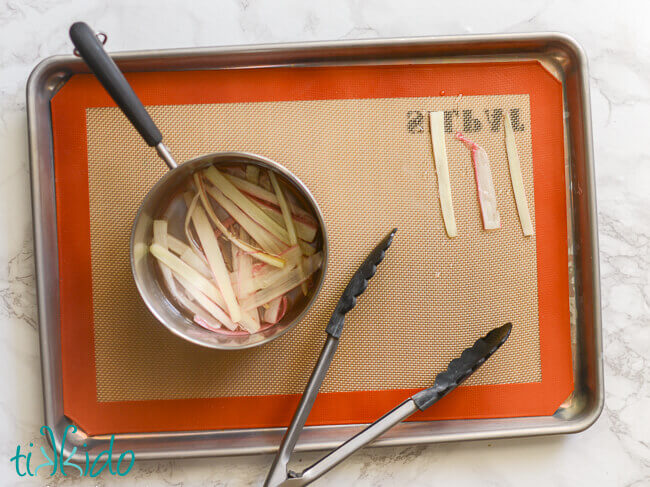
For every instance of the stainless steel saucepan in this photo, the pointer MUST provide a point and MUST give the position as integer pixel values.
(142, 263)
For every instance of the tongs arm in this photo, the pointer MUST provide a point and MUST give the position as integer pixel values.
(457, 371)
(278, 472)
(361, 439)
(353, 290)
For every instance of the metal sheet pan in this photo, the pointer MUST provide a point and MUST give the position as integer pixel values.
(560, 54)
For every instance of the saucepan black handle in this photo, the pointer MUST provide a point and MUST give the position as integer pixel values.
(101, 64)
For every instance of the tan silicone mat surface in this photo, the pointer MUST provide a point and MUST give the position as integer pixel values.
(369, 165)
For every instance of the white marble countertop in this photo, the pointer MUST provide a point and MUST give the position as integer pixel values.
(614, 452)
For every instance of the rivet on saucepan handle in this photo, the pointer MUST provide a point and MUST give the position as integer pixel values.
(101, 37)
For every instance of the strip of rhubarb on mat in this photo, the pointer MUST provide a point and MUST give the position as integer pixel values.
(437, 129)
(517, 179)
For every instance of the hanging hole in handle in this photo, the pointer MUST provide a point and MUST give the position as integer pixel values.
(101, 37)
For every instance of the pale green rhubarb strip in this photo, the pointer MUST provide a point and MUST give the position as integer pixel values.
(292, 257)
(249, 207)
(304, 232)
(437, 130)
(244, 272)
(160, 238)
(177, 245)
(191, 201)
(272, 276)
(215, 260)
(306, 248)
(264, 239)
(252, 173)
(260, 298)
(305, 225)
(249, 321)
(188, 255)
(284, 207)
(258, 253)
(190, 258)
(288, 223)
(289, 282)
(187, 272)
(211, 307)
(263, 194)
(267, 279)
(203, 291)
(517, 180)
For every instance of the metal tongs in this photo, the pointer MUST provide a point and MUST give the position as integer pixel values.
(457, 371)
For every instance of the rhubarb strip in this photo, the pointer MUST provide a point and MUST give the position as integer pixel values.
(284, 207)
(487, 195)
(176, 245)
(292, 280)
(160, 238)
(267, 196)
(304, 231)
(306, 248)
(517, 179)
(190, 258)
(253, 173)
(206, 303)
(288, 223)
(191, 202)
(267, 279)
(185, 271)
(207, 323)
(272, 313)
(292, 257)
(215, 260)
(250, 321)
(258, 253)
(263, 238)
(240, 199)
(437, 130)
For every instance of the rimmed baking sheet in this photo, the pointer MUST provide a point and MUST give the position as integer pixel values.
(559, 54)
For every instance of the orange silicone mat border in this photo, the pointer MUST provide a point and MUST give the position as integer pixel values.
(275, 84)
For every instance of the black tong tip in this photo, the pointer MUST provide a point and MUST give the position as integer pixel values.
(358, 284)
(462, 367)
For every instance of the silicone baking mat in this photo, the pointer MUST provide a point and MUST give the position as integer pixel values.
(358, 138)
